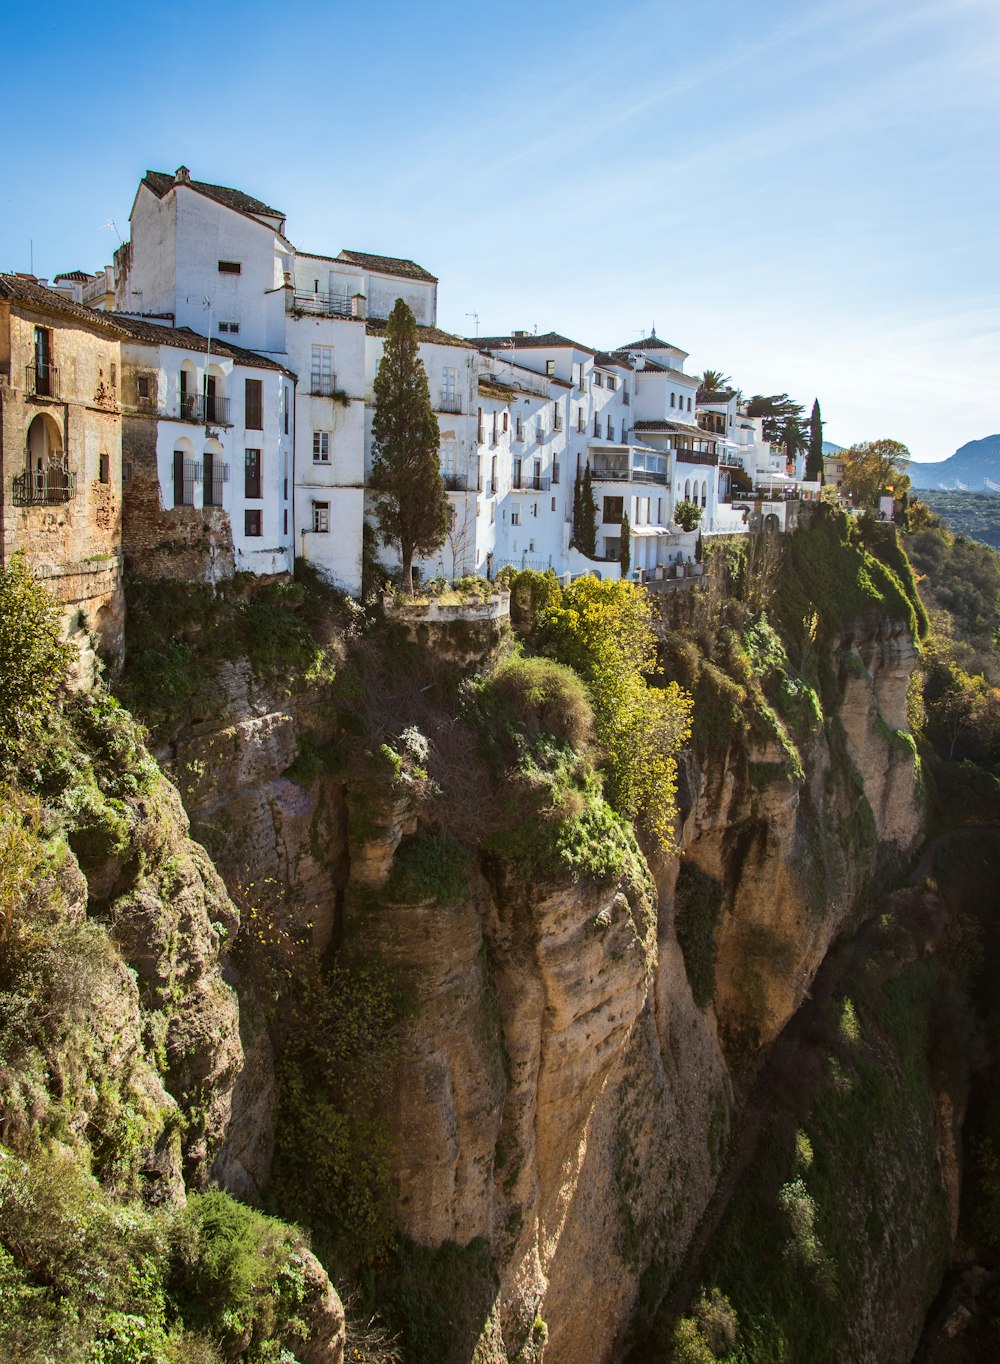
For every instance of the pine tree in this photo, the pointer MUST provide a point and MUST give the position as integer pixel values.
(814, 462)
(586, 529)
(625, 553)
(410, 499)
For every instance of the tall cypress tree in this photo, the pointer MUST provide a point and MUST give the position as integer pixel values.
(586, 534)
(577, 502)
(814, 460)
(410, 499)
(625, 553)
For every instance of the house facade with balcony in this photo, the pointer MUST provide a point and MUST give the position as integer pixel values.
(207, 449)
(61, 452)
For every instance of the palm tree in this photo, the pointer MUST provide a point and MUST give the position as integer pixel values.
(713, 380)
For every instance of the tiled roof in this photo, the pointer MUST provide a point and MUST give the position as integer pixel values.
(434, 335)
(611, 360)
(160, 182)
(715, 395)
(544, 341)
(652, 342)
(80, 276)
(186, 339)
(682, 428)
(387, 265)
(20, 289)
(490, 388)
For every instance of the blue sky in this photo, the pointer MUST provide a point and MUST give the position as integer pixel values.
(804, 195)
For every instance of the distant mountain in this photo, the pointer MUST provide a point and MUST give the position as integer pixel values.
(830, 449)
(974, 467)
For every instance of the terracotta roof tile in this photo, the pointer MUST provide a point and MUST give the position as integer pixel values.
(434, 335)
(543, 341)
(186, 339)
(160, 182)
(20, 289)
(387, 265)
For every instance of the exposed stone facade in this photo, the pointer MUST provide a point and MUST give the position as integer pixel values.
(61, 453)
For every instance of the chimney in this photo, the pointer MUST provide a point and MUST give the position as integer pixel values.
(359, 306)
(182, 176)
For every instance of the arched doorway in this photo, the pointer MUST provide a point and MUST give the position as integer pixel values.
(46, 478)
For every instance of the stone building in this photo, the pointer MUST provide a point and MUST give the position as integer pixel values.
(61, 453)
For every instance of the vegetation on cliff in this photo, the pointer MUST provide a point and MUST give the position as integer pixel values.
(110, 1044)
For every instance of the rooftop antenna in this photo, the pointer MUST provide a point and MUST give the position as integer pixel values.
(111, 223)
(475, 316)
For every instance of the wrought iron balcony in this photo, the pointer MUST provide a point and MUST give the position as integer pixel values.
(459, 483)
(323, 385)
(42, 381)
(324, 305)
(531, 483)
(45, 488)
(449, 403)
(204, 408)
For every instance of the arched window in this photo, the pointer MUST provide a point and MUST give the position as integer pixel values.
(704, 493)
(183, 473)
(46, 478)
(216, 473)
(687, 490)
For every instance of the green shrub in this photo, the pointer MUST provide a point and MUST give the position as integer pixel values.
(34, 659)
(429, 867)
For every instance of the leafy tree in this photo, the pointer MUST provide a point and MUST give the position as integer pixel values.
(34, 657)
(875, 467)
(410, 499)
(687, 514)
(605, 631)
(585, 516)
(814, 464)
(713, 381)
(625, 553)
(782, 420)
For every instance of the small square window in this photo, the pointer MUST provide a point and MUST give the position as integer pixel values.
(253, 523)
(321, 447)
(231, 327)
(321, 517)
(142, 386)
(550, 368)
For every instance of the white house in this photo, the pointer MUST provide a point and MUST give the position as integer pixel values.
(207, 433)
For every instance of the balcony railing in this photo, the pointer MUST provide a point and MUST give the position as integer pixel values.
(459, 483)
(42, 380)
(449, 403)
(200, 407)
(46, 488)
(531, 483)
(616, 474)
(325, 305)
(695, 457)
(323, 385)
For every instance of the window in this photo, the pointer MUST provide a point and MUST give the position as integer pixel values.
(689, 404)
(449, 391)
(550, 369)
(288, 406)
(183, 479)
(613, 511)
(232, 328)
(216, 474)
(611, 429)
(254, 405)
(553, 504)
(284, 522)
(673, 400)
(534, 508)
(597, 424)
(580, 419)
(253, 523)
(142, 387)
(321, 517)
(104, 468)
(251, 479)
(531, 546)
(114, 374)
(481, 433)
(230, 267)
(506, 420)
(45, 374)
(321, 447)
(323, 381)
(516, 475)
(493, 475)
(597, 380)
(515, 518)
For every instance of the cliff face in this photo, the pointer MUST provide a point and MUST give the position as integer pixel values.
(563, 1093)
